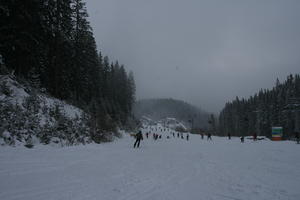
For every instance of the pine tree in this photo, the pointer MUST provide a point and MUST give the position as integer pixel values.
(265, 109)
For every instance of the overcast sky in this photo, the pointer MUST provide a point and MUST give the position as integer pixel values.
(205, 52)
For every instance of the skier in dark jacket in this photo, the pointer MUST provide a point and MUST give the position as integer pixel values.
(229, 136)
(139, 137)
(209, 136)
(242, 139)
(187, 137)
(297, 137)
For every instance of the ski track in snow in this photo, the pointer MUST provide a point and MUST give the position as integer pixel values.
(167, 169)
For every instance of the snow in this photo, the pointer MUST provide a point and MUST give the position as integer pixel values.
(18, 91)
(13, 93)
(70, 111)
(6, 134)
(19, 94)
(170, 169)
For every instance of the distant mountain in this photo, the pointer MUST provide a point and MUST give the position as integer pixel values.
(158, 109)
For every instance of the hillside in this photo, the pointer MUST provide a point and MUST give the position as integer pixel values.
(51, 46)
(158, 109)
(29, 117)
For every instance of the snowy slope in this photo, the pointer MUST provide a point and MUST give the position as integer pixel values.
(168, 122)
(170, 169)
(173, 123)
(27, 114)
(19, 94)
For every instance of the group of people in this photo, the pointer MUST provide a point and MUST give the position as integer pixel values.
(208, 136)
(180, 135)
(155, 136)
(139, 136)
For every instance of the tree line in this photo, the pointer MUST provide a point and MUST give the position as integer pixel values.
(50, 44)
(275, 107)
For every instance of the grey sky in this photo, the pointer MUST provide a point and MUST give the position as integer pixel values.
(205, 52)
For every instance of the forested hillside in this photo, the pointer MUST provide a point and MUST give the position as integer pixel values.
(275, 107)
(50, 46)
(158, 109)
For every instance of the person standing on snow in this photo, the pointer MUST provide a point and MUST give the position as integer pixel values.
(242, 139)
(229, 136)
(202, 136)
(139, 137)
(209, 136)
(254, 136)
(297, 137)
(187, 137)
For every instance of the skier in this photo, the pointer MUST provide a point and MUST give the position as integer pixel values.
(242, 139)
(202, 136)
(254, 136)
(173, 134)
(209, 136)
(178, 135)
(147, 135)
(187, 137)
(297, 137)
(229, 136)
(139, 137)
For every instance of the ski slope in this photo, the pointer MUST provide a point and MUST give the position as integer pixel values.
(166, 169)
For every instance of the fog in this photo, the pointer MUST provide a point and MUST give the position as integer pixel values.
(203, 52)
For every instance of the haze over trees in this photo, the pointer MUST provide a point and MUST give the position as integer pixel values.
(158, 109)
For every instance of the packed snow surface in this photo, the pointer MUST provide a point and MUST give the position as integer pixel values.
(169, 169)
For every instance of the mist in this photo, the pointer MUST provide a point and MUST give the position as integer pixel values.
(203, 52)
